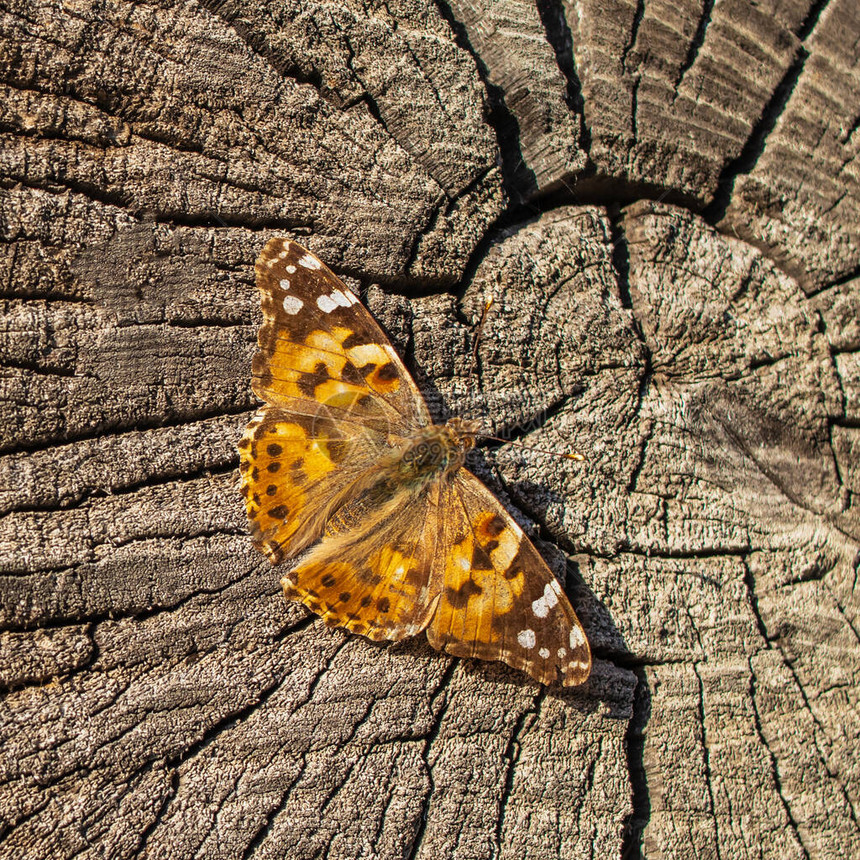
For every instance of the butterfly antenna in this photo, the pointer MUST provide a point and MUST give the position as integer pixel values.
(574, 456)
(477, 340)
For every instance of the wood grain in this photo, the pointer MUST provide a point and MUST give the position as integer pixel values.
(661, 200)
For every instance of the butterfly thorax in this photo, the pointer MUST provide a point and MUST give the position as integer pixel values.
(434, 452)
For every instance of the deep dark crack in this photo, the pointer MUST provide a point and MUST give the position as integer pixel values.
(774, 764)
(706, 761)
(754, 147)
(511, 756)
(634, 745)
(439, 715)
(695, 44)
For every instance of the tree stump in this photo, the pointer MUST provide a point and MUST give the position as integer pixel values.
(661, 200)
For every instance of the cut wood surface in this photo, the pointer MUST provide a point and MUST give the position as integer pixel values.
(662, 201)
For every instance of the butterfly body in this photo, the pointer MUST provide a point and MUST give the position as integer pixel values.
(434, 453)
(344, 471)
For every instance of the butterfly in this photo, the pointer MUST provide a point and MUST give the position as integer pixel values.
(344, 472)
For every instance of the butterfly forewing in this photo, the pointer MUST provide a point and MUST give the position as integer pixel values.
(391, 550)
(500, 601)
(319, 346)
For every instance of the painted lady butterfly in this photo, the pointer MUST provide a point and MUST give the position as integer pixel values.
(344, 461)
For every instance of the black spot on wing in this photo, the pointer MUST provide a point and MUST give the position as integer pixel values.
(336, 449)
(459, 597)
(494, 527)
(308, 382)
(519, 563)
(387, 373)
(481, 558)
(353, 339)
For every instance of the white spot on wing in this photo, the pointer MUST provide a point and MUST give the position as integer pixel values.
(291, 269)
(542, 605)
(293, 304)
(561, 653)
(326, 304)
(576, 638)
(464, 562)
(285, 284)
(526, 638)
(310, 262)
(555, 586)
(544, 653)
(341, 298)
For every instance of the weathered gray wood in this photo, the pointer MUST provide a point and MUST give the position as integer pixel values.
(522, 49)
(672, 91)
(161, 699)
(799, 199)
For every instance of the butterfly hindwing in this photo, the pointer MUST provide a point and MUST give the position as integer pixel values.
(319, 346)
(375, 577)
(499, 599)
(295, 467)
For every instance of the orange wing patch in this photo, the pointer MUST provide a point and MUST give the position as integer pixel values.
(379, 586)
(281, 462)
(473, 591)
(321, 368)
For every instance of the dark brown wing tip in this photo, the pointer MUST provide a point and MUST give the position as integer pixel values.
(578, 667)
(277, 248)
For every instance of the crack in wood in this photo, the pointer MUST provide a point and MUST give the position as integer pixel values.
(120, 429)
(706, 759)
(511, 755)
(774, 764)
(695, 45)
(755, 143)
(441, 693)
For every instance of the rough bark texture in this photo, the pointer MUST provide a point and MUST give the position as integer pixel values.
(662, 200)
